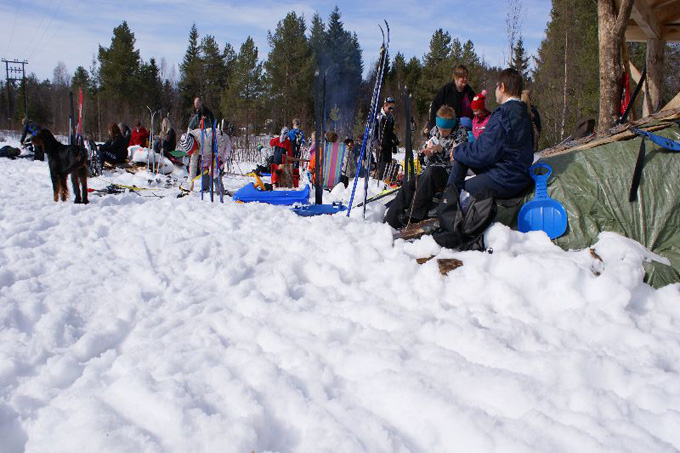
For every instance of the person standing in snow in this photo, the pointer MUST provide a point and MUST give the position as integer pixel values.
(481, 114)
(201, 112)
(281, 146)
(502, 155)
(457, 94)
(385, 138)
(31, 128)
(297, 140)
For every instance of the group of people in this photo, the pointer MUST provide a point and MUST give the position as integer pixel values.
(463, 138)
(114, 150)
(495, 148)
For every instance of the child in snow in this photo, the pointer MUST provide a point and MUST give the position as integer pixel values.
(481, 114)
(415, 200)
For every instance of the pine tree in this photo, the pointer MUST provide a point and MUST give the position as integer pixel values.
(191, 74)
(436, 68)
(214, 73)
(520, 61)
(343, 67)
(317, 36)
(119, 66)
(153, 87)
(245, 88)
(290, 72)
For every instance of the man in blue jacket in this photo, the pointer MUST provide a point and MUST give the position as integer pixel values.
(502, 155)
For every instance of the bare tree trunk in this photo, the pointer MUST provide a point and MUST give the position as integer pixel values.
(564, 91)
(611, 31)
(655, 76)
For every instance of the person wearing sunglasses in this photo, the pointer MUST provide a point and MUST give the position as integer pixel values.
(385, 139)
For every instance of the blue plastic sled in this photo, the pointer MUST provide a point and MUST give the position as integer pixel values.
(318, 209)
(249, 194)
(542, 212)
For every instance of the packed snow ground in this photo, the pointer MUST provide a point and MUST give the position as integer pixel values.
(140, 323)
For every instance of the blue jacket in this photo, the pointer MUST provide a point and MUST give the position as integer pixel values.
(505, 150)
(297, 138)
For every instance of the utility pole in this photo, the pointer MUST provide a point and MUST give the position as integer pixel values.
(12, 71)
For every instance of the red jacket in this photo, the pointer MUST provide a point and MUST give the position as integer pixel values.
(276, 141)
(139, 137)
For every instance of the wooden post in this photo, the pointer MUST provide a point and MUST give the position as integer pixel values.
(611, 28)
(655, 61)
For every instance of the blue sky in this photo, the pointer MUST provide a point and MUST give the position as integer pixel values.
(45, 32)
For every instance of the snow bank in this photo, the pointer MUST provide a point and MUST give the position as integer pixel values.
(141, 323)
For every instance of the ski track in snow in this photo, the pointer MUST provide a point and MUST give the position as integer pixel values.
(139, 323)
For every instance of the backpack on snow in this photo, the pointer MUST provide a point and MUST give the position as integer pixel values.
(463, 229)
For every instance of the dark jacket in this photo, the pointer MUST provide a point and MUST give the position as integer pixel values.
(29, 128)
(385, 136)
(505, 150)
(205, 113)
(116, 146)
(169, 143)
(449, 95)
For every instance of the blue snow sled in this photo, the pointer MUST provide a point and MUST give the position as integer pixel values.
(542, 212)
(249, 194)
(318, 209)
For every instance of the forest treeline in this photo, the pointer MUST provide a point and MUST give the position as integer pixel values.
(259, 93)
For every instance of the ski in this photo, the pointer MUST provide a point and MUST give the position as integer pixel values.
(379, 196)
(364, 157)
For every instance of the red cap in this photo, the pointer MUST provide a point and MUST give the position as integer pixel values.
(479, 100)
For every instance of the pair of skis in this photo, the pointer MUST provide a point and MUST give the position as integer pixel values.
(364, 156)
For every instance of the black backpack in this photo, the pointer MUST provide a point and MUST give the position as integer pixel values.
(464, 229)
(279, 152)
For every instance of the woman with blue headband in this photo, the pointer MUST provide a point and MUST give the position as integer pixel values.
(414, 201)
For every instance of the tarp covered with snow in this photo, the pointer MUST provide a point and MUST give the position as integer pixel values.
(594, 184)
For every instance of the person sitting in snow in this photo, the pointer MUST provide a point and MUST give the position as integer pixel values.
(114, 150)
(126, 132)
(201, 112)
(502, 155)
(414, 201)
(140, 136)
(167, 140)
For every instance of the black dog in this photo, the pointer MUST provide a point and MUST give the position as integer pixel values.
(64, 159)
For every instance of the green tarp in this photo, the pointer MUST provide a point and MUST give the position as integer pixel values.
(594, 184)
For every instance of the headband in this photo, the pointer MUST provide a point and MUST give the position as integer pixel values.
(446, 123)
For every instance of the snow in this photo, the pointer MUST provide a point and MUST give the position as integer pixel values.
(141, 323)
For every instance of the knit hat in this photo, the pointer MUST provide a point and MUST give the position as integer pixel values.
(479, 100)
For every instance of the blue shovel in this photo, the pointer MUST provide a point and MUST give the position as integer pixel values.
(542, 212)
